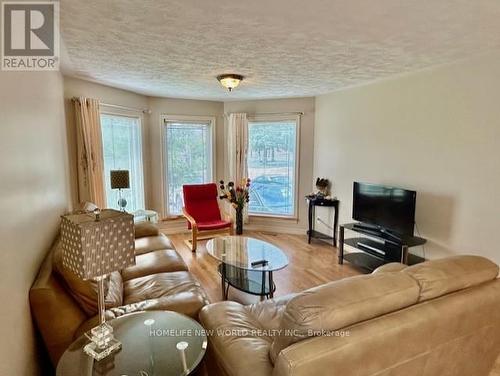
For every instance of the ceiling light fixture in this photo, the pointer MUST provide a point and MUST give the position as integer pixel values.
(230, 81)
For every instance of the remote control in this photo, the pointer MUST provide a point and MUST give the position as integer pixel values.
(259, 263)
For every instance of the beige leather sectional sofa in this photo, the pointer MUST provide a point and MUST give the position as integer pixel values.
(438, 318)
(64, 307)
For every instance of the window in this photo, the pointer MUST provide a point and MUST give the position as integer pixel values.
(121, 143)
(272, 166)
(188, 157)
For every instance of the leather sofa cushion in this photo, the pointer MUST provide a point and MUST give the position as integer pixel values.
(234, 340)
(338, 304)
(144, 229)
(152, 243)
(443, 276)
(269, 312)
(163, 261)
(174, 291)
(85, 292)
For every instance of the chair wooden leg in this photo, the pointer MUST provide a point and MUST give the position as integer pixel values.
(231, 230)
(194, 241)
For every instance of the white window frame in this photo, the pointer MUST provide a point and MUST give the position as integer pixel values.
(278, 118)
(164, 118)
(108, 110)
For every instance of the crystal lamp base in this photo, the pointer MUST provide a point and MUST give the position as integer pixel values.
(103, 343)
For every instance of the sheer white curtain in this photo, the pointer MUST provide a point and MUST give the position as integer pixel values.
(237, 132)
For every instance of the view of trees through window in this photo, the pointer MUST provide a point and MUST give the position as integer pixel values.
(188, 150)
(121, 141)
(272, 167)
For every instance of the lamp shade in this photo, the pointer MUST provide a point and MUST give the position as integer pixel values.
(119, 179)
(93, 248)
(230, 81)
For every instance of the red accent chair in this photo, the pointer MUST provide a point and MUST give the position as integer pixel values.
(202, 212)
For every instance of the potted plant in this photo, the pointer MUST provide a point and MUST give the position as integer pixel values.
(238, 196)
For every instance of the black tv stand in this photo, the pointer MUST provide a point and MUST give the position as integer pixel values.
(365, 226)
(378, 247)
(376, 230)
(389, 234)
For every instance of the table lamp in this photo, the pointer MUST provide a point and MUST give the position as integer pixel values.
(94, 245)
(120, 180)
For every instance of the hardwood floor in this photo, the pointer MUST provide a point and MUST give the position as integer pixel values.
(309, 266)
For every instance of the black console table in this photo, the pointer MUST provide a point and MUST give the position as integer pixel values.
(311, 232)
(377, 248)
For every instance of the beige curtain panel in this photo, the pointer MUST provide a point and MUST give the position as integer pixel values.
(90, 158)
(237, 151)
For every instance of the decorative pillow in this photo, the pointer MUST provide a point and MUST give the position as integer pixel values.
(88, 206)
(85, 292)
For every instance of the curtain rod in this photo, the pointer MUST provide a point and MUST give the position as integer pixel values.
(271, 113)
(143, 110)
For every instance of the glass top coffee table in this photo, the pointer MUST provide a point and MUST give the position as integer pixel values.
(247, 264)
(151, 345)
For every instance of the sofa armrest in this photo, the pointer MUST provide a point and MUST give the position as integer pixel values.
(190, 219)
(50, 304)
(390, 268)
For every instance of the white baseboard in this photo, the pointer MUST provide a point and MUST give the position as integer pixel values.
(280, 229)
(180, 227)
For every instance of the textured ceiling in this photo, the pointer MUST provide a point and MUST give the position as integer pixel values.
(284, 48)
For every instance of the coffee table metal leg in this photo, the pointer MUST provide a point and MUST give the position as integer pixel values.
(263, 286)
(223, 281)
(271, 285)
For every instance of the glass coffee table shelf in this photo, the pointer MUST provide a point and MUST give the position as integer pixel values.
(247, 264)
(249, 281)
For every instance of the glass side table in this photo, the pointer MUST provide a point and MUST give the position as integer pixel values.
(247, 264)
(145, 216)
(152, 344)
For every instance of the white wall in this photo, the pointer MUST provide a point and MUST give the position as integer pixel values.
(305, 105)
(33, 194)
(436, 131)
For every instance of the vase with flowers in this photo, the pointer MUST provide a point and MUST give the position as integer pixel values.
(238, 196)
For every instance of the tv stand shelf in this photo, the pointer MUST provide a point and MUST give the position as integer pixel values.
(370, 246)
(376, 248)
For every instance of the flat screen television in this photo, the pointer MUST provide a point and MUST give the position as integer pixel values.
(386, 208)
